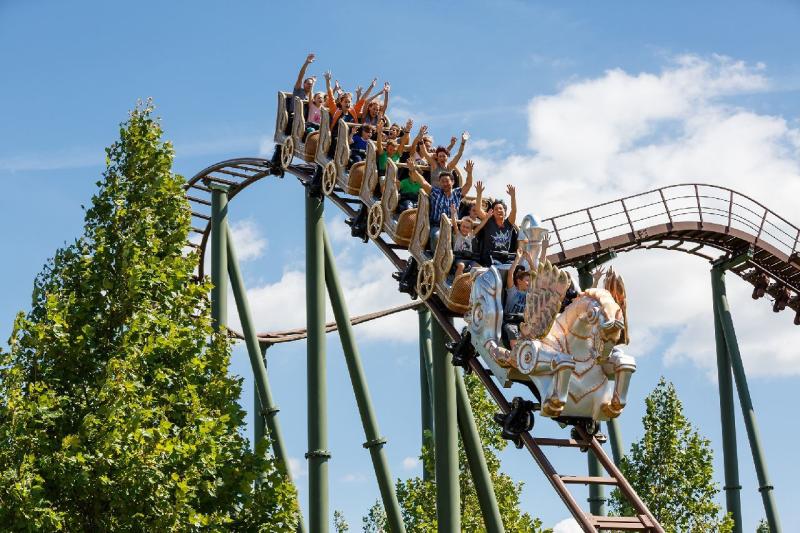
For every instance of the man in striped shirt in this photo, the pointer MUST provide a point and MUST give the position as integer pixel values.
(442, 198)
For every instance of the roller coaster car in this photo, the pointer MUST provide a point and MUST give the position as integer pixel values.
(453, 291)
(399, 227)
(323, 143)
(573, 358)
(283, 130)
(305, 144)
(336, 171)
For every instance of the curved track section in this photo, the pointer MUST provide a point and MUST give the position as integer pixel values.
(703, 220)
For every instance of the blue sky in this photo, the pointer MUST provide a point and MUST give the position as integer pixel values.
(575, 104)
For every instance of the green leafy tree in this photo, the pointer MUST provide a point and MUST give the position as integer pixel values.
(415, 494)
(116, 413)
(671, 469)
(376, 521)
(339, 522)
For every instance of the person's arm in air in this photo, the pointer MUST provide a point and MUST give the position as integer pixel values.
(403, 142)
(452, 164)
(483, 215)
(453, 140)
(417, 177)
(379, 140)
(468, 182)
(359, 92)
(512, 216)
(510, 274)
(545, 244)
(386, 89)
(330, 101)
(427, 155)
(302, 74)
(413, 148)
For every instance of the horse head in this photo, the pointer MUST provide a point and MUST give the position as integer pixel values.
(596, 318)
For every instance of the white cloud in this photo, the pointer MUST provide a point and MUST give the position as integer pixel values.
(352, 477)
(568, 525)
(620, 134)
(366, 279)
(298, 468)
(411, 463)
(248, 240)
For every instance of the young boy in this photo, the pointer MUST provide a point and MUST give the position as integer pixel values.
(517, 282)
(358, 147)
(463, 243)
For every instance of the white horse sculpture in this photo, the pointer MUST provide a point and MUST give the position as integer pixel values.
(573, 358)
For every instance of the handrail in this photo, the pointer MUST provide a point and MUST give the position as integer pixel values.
(684, 202)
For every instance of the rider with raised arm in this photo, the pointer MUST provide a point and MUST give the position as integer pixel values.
(373, 111)
(303, 87)
(442, 197)
(438, 160)
(497, 233)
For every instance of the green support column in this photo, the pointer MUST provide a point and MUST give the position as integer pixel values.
(732, 487)
(374, 441)
(219, 249)
(317, 392)
(615, 440)
(597, 498)
(425, 383)
(765, 487)
(265, 408)
(259, 422)
(477, 462)
(445, 436)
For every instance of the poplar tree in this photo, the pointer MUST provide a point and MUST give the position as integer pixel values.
(671, 469)
(116, 412)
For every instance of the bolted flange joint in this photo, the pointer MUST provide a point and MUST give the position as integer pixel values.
(324, 454)
(379, 441)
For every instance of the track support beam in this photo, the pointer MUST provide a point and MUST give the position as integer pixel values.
(265, 409)
(219, 254)
(425, 385)
(477, 462)
(374, 442)
(445, 436)
(317, 387)
(725, 321)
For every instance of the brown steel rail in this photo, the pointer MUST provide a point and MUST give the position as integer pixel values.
(693, 218)
(291, 335)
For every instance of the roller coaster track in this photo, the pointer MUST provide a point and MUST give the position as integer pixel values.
(697, 219)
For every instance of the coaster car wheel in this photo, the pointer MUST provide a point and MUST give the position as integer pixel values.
(426, 280)
(287, 152)
(329, 178)
(374, 221)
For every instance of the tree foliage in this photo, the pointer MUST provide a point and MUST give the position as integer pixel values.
(416, 495)
(116, 413)
(671, 469)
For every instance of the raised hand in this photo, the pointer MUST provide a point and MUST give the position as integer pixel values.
(423, 130)
(453, 140)
(310, 58)
(545, 244)
(465, 137)
(386, 87)
(409, 124)
(336, 86)
(374, 82)
(511, 190)
(479, 188)
(328, 75)
(596, 275)
(469, 166)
